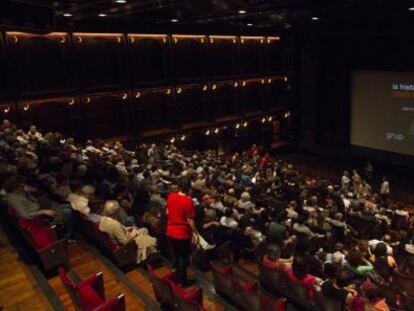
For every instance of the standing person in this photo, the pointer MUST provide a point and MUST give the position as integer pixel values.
(345, 181)
(180, 227)
(385, 189)
(356, 181)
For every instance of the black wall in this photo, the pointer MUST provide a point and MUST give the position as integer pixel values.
(110, 85)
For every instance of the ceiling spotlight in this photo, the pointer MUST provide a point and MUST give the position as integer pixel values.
(102, 15)
(208, 132)
(174, 20)
(315, 18)
(245, 124)
(216, 130)
(182, 138)
(411, 9)
(120, 1)
(67, 15)
(242, 12)
(249, 24)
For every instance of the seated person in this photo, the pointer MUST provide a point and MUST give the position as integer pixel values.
(339, 288)
(79, 199)
(357, 264)
(122, 235)
(272, 259)
(372, 298)
(299, 273)
(384, 264)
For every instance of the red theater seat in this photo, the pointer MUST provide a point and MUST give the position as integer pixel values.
(89, 295)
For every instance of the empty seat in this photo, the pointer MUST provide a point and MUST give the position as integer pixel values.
(89, 295)
(222, 276)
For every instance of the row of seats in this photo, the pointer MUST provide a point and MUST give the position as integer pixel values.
(171, 296)
(89, 294)
(242, 290)
(42, 238)
(397, 294)
(122, 255)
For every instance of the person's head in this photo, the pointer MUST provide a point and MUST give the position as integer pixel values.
(355, 258)
(184, 185)
(300, 267)
(380, 250)
(273, 252)
(342, 277)
(88, 191)
(245, 196)
(111, 207)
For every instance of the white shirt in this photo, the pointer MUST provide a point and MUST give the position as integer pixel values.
(79, 203)
(228, 222)
(385, 187)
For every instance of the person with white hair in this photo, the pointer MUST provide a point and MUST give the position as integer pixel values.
(244, 203)
(121, 235)
(79, 199)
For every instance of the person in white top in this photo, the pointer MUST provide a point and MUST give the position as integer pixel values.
(345, 181)
(79, 200)
(385, 189)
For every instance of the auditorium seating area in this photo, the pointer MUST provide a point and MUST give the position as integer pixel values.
(236, 267)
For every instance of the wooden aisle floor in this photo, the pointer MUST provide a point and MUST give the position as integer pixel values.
(18, 288)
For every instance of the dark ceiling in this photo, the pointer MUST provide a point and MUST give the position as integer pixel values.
(192, 15)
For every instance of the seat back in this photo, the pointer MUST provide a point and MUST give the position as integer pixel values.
(407, 302)
(298, 292)
(70, 287)
(249, 297)
(323, 303)
(188, 305)
(162, 289)
(271, 279)
(222, 276)
(404, 283)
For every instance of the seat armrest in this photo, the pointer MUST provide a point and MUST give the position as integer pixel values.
(115, 304)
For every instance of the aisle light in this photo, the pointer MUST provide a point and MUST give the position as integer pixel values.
(183, 137)
(269, 80)
(235, 84)
(6, 109)
(213, 87)
(137, 94)
(285, 79)
(71, 101)
(245, 124)
(179, 90)
(205, 87)
(270, 118)
(172, 140)
(263, 120)
(216, 130)
(207, 133)
(168, 92)
(263, 81)
(244, 83)
(237, 125)
(26, 107)
(124, 96)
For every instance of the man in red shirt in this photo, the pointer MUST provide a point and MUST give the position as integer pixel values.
(180, 227)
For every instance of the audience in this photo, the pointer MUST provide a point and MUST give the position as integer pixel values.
(340, 233)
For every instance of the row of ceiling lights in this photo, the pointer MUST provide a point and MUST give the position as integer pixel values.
(176, 20)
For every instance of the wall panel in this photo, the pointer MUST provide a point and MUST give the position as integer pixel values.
(100, 60)
(151, 111)
(148, 59)
(189, 58)
(252, 97)
(4, 85)
(39, 63)
(252, 53)
(105, 114)
(192, 106)
(50, 115)
(224, 102)
(223, 57)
